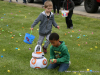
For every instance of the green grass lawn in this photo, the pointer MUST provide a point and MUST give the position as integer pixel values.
(17, 19)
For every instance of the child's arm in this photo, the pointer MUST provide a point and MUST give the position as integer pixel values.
(55, 24)
(72, 6)
(36, 21)
(51, 53)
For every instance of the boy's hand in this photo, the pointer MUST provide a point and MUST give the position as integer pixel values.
(67, 10)
(55, 61)
(51, 61)
(58, 27)
(31, 28)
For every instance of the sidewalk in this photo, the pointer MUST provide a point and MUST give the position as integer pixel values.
(94, 15)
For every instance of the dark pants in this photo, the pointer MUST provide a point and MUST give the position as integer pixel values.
(68, 20)
(43, 1)
(11, 0)
(24, 1)
(56, 4)
(62, 67)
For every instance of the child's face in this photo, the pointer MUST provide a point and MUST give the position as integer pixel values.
(48, 9)
(55, 43)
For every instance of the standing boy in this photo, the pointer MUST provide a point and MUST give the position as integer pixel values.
(59, 55)
(69, 6)
(45, 27)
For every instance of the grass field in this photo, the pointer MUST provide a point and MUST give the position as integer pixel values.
(16, 20)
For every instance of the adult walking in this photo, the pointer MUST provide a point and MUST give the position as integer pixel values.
(24, 1)
(43, 1)
(11, 1)
(56, 4)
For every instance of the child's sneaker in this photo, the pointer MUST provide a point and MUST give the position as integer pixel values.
(44, 50)
(71, 27)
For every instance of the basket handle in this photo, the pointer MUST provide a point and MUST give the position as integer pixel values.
(31, 33)
(36, 48)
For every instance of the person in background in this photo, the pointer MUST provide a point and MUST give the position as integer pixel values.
(11, 1)
(43, 1)
(69, 6)
(24, 1)
(56, 5)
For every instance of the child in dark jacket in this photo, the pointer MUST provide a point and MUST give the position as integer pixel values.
(69, 6)
(45, 27)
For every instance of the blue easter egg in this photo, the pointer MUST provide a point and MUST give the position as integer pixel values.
(77, 37)
(1, 56)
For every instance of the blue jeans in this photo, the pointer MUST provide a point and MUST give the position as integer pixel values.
(62, 67)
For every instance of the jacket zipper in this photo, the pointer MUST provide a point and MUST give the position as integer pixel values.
(46, 26)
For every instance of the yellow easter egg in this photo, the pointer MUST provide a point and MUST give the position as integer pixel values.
(8, 70)
(3, 49)
(18, 49)
(96, 47)
(87, 69)
(91, 48)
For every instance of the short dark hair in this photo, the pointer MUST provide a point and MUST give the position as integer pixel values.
(53, 36)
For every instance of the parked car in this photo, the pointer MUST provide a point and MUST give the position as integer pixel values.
(77, 2)
(91, 6)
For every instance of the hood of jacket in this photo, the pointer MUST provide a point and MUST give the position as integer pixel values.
(46, 15)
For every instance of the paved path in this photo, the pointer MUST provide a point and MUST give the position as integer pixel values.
(79, 10)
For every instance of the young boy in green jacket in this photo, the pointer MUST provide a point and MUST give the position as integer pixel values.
(59, 55)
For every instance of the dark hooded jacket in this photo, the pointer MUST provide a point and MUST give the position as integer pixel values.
(68, 5)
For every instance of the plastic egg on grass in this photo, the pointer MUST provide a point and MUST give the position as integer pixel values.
(78, 44)
(2, 56)
(18, 49)
(87, 69)
(29, 48)
(3, 49)
(16, 41)
(8, 71)
(12, 37)
(79, 74)
(96, 47)
(74, 72)
(70, 35)
(91, 48)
